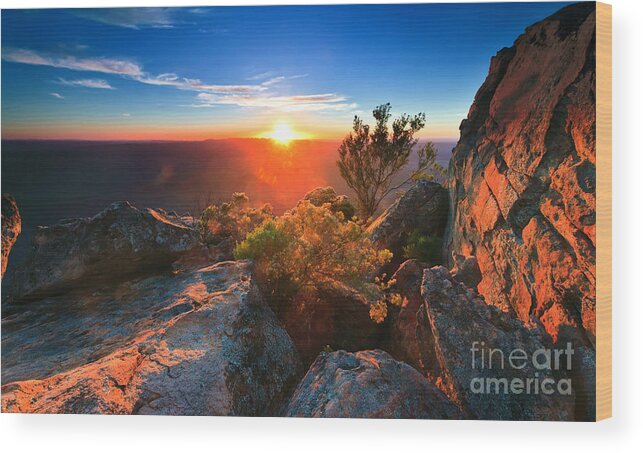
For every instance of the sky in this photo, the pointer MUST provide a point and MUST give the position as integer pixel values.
(223, 72)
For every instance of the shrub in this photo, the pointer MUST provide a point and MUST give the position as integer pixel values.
(371, 158)
(425, 248)
(231, 220)
(310, 245)
(338, 203)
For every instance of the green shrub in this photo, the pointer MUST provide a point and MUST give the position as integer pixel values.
(425, 248)
(231, 220)
(311, 245)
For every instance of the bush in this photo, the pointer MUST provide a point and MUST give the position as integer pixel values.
(427, 249)
(308, 246)
(231, 220)
(338, 203)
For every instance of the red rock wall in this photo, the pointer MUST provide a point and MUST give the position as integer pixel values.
(522, 177)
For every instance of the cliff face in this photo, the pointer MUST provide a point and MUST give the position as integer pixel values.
(522, 177)
(11, 227)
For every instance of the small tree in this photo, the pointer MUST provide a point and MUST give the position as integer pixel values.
(369, 159)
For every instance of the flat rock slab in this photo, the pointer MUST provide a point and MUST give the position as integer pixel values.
(203, 343)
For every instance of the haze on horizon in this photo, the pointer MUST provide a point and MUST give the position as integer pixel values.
(222, 72)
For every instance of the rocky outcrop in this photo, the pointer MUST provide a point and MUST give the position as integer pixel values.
(423, 208)
(367, 384)
(199, 343)
(522, 177)
(327, 195)
(11, 227)
(118, 241)
(486, 361)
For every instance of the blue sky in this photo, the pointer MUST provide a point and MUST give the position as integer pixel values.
(195, 73)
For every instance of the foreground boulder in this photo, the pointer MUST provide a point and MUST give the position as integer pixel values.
(423, 208)
(456, 339)
(11, 227)
(119, 240)
(201, 343)
(522, 178)
(367, 384)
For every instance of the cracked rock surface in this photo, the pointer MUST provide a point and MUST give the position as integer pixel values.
(200, 343)
(522, 178)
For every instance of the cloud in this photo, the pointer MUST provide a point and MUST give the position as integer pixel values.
(312, 102)
(183, 83)
(260, 76)
(58, 96)
(127, 114)
(99, 64)
(87, 83)
(209, 95)
(134, 18)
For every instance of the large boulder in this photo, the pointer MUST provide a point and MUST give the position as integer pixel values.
(367, 384)
(119, 240)
(11, 227)
(423, 208)
(488, 362)
(522, 178)
(199, 343)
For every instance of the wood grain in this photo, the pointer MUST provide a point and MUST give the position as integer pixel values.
(604, 211)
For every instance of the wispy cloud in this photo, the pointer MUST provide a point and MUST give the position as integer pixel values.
(134, 18)
(87, 83)
(58, 96)
(127, 114)
(183, 83)
(99, 64)
(258, 94)
(312, 102)
(261, 76)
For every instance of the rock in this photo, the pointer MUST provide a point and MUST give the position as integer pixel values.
(11, 227)
(333, 315)
(327, 195)
(199, 343)
(118, 241)
(466, 270)
(522, 177)
(459, 327)
(367, 384)
(424, 208)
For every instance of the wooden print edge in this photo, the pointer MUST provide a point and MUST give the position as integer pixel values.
(604, 211)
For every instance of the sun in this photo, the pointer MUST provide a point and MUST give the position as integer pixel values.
(283, 133)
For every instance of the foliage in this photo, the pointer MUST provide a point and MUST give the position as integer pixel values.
(338, 203)
(425, 248)
(310, 245)
(233, 219)
(379, 310)
(371, 159)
